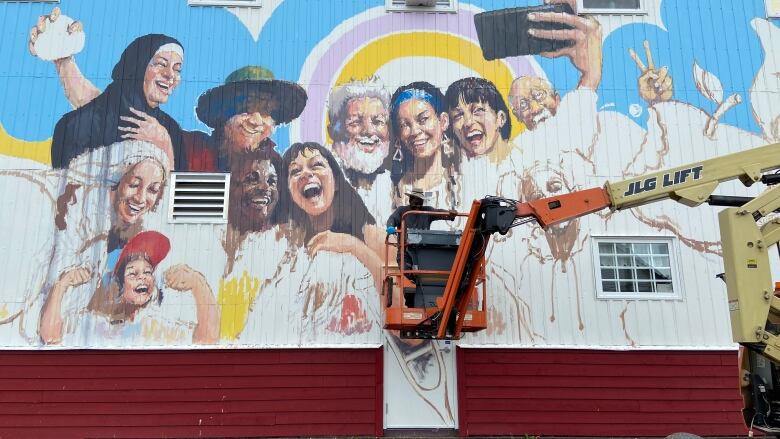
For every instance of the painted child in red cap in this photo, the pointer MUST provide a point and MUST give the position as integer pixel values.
(105, 199)
(129, 308)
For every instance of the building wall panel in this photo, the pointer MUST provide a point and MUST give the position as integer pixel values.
(236, 393)
(541, 285)
(270, 285)
(598, 393)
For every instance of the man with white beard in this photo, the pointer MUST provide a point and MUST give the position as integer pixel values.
(358, 124)
(568, 122)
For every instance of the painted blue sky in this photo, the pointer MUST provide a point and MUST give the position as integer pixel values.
(216, 43)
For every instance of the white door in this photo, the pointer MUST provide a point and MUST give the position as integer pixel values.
(420, 383)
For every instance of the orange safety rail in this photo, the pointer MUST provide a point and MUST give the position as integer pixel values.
(400, 317)
(454, 281)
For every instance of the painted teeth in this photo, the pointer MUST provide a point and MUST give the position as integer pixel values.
(311, 186)
(472, 134)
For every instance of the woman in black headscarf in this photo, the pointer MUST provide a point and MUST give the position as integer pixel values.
(143, 79)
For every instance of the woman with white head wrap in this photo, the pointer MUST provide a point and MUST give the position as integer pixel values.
(103, 204)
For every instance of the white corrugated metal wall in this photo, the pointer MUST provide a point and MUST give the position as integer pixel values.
(537, 298)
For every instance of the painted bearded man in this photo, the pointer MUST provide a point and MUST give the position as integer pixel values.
(358, 115)
(534, 101)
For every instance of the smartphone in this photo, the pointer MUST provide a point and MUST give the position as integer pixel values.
(504, 32)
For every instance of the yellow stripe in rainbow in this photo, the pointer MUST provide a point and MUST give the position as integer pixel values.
(39, 151)
(366, 61)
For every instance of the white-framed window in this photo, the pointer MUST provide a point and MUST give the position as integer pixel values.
(246, 3)
(636, 7)
(636, 268)
(421, 5)
(773, 8)
(198, 197)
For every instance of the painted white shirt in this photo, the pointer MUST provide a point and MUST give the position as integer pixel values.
(151, 327)
(573, 128)
(379, 197)
(483, 177)
(336, 301)
(264, 268)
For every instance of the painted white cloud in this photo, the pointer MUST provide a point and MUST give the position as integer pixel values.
(611, 23)
(255, 18)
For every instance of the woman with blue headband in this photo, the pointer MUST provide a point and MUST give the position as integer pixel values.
(423, 157)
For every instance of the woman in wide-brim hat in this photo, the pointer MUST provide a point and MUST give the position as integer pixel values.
(243, 113)
(241, 88)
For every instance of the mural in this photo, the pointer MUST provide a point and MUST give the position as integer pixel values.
(323, 134)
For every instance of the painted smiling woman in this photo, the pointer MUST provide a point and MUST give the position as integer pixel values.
(146, 75)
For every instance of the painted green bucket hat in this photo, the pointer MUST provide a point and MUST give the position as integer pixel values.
(241, 87)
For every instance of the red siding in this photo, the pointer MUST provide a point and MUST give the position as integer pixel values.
(598, 393)
(217, 393)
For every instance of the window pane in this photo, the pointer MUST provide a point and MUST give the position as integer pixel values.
(661, 261)
(644, 287)
(609, 287)
(607, 261)
(663, 274)
(643, 261)
(611, 4)
(644, 273)
(660, 248)
(643, 249)
(639, 268)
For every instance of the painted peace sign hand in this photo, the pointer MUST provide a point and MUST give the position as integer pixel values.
(655, 85)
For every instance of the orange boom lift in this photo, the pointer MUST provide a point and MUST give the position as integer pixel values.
(447, 270)
(447, 275)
